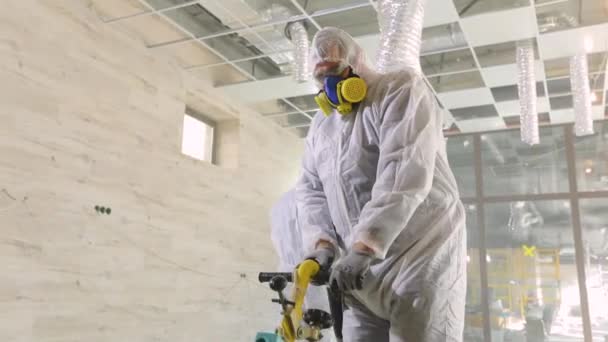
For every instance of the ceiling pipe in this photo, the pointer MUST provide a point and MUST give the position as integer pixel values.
(526, 87)
(401, 24)
(581, 94)
(297, 33)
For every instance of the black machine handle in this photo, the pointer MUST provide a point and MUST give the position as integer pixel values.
(265, 277)
(322, 278)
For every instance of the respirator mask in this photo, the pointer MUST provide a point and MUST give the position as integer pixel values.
(341, 93)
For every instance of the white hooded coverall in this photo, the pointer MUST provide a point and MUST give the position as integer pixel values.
(380, 175)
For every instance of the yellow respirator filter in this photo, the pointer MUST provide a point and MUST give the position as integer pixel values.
(353, 89)
(349, 91)
(324, 103)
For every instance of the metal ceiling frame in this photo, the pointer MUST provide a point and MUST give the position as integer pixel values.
(217, 53)
(263, 24)
(251, 29)
(151, 12)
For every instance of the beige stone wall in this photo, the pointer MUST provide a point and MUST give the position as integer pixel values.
(89, 116)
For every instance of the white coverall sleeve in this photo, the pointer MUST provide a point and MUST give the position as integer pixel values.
(284, 233)
(313, 212)
(409, 133)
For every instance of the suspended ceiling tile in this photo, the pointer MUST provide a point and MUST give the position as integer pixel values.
(433, 39)
(510, 108)
(562, 116)
(511, 92)
(439, 12)
(357, 22)
(500, 54)
(456, 82)
(233, 47)
(447, 62)
(153, 29)
(269, 89)
(500, 27)
(476, 112)
(262, 68)
(483, 124)
(502, 75)
(468, 8)
(201, 22)
(466, 98)
(561, 102)
(568, 43)
(255, 12)
(567, 115)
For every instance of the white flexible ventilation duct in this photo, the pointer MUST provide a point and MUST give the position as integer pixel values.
(299, 38)
(400, 34)
(581, 94)
(526, 86)
(297, 33)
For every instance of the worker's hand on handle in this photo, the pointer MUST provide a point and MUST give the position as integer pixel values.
(324, 255)
(349, 272)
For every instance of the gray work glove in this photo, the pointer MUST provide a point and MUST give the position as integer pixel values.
(349, 272)
(324, 256)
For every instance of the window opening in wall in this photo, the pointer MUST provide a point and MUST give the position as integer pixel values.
(198, 136)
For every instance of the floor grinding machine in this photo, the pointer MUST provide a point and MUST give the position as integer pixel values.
(297, 324)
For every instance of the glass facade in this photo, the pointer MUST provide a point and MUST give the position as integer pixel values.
(511, 167)
(537, 234)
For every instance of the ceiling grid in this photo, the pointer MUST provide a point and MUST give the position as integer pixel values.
(468, 52)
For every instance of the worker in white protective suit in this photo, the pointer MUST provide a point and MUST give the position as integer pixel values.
(380, 175)
(287, 240)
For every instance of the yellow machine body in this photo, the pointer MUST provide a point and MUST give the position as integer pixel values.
(290, 325)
